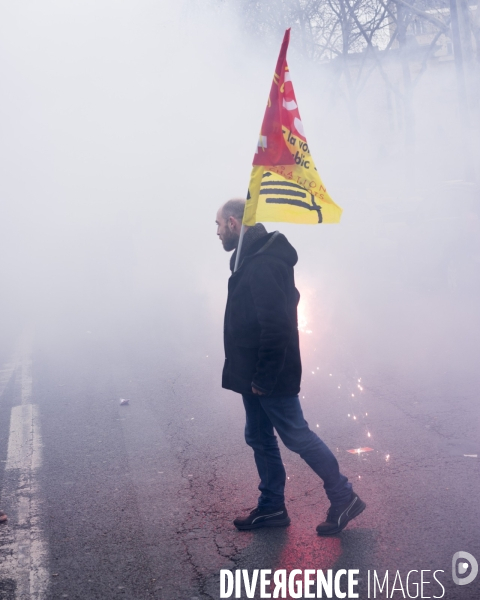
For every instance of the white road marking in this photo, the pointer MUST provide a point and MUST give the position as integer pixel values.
(26, 385)
(5, 375)
(23, 557)
(24, 449)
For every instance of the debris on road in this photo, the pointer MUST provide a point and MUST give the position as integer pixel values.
(3, 517)
(124, 401)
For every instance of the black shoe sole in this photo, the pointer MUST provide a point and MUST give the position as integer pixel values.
(360, 508)
(282, 523)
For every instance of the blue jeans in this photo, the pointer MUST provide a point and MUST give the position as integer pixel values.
(286, 416)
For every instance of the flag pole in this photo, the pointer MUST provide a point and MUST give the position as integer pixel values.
(239, 247)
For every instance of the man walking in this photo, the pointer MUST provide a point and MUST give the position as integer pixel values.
(262, 363)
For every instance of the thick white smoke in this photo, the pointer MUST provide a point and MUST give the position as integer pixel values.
(126, 124)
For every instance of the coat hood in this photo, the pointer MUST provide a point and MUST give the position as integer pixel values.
(258, 242)
(275, 244)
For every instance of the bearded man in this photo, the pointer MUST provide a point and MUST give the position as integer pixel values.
(262, 363)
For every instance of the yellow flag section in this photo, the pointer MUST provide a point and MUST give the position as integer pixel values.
(290, 193)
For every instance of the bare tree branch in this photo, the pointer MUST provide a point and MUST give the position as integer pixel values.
(440, 24)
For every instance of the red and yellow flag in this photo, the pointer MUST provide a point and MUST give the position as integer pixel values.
(285, 184)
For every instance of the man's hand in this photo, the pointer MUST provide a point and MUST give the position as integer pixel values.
(257, 392)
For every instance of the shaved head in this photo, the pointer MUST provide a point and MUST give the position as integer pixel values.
(234, 208)
(229, 222)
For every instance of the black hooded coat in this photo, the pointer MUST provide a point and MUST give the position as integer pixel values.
(261, 328)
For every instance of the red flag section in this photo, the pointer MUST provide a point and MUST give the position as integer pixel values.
(272, 149)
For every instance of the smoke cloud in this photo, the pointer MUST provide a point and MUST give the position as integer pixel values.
(126, 124)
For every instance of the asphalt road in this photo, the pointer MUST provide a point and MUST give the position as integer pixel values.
(136, 501)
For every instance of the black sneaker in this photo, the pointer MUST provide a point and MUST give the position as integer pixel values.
(338, 517)
(264, 517)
